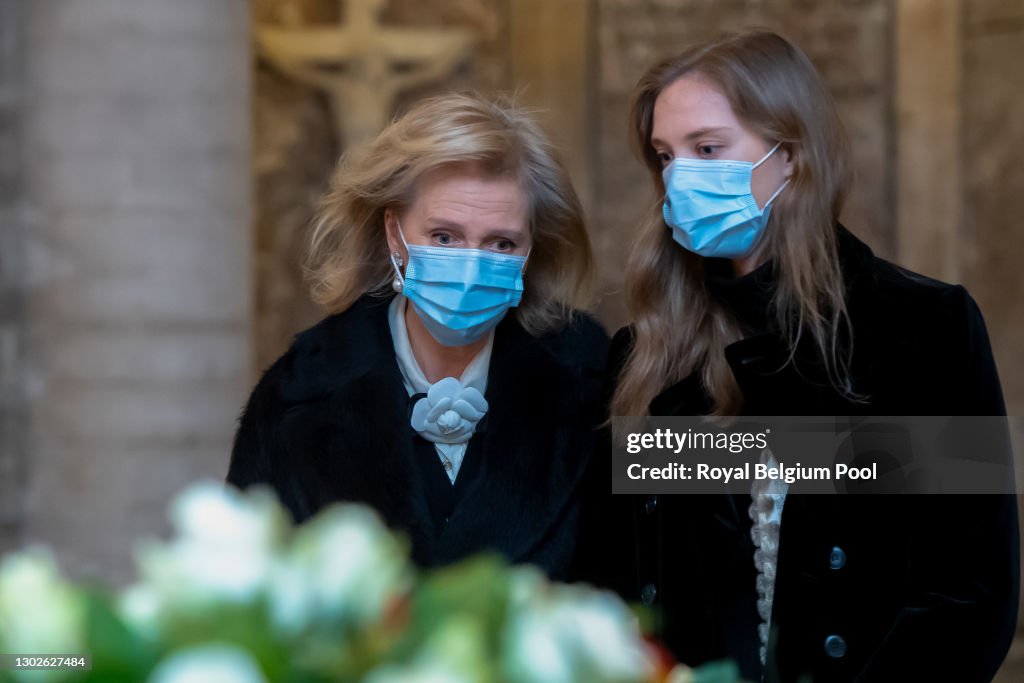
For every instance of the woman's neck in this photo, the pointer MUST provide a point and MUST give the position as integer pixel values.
(745, 266)
(436, 360)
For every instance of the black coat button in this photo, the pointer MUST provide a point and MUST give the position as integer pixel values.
(649, 594)
(835, 646)
(837, 558)
(651, 505)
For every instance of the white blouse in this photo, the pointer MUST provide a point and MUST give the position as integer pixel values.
(474, 376)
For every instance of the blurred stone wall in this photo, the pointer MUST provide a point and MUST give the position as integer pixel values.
(137, 277)
(991, 240)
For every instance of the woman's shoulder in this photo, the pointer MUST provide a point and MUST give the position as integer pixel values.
(581, 340)
(366, 314)
(884, 295)
(917, 302)
(337, 345)
(922, 324)
(875, 283)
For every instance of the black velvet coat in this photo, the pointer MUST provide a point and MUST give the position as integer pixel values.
(868, 588)
(329, 421)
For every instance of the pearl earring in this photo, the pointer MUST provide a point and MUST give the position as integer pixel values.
(396, 284)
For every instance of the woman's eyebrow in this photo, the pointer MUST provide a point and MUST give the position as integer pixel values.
(435, 222)
(509, 233)
(710, 130)
(444, 223)
(693, 135)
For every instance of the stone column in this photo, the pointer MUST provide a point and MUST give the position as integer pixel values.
(138, 312)
(12, 328)
(928, 109)
(991, 239)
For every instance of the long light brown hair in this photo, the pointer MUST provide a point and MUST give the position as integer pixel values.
(348, 253)
(679, 328)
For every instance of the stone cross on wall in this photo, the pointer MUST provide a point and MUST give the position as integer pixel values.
(363, 64)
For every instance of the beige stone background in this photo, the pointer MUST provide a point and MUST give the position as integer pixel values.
(157, 176)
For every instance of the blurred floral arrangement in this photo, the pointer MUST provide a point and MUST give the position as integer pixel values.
(238, 595)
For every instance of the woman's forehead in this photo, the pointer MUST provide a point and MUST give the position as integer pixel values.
(468, 200)
(688, 105)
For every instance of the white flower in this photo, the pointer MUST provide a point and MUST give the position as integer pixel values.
(224, 550)
(212, 663)
(423, 673)
(40, 613)
(140, 606)
(681, 673)
(569, 634)
(344, 565)
(449, 412)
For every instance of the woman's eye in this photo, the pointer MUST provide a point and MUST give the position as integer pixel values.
(444, 239)
(705, 150)
(504, 245)
(665, 158)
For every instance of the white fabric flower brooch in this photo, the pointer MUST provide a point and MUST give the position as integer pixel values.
(449, 412)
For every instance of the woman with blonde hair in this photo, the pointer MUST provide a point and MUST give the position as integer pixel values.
(453, 387)
(748, 298)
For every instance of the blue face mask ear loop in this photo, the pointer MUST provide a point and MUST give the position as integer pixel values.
(526, 259)
(783, 187)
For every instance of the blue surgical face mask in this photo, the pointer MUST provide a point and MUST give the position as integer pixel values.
(710, 208)
(460, 294)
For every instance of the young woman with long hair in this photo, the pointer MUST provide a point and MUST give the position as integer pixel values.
(747, 297)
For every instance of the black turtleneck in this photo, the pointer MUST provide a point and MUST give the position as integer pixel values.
(749, 296)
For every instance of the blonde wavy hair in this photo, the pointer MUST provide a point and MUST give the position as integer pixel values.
(679, 328)
(348, 251)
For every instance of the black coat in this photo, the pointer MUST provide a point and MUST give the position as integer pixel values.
(915, 587)
(329, 421)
